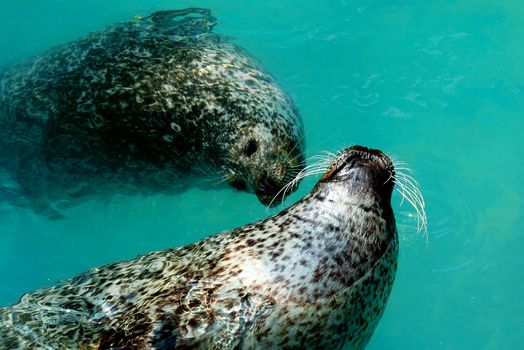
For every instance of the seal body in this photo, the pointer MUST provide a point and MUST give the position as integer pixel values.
(148, 106)
(314, 276)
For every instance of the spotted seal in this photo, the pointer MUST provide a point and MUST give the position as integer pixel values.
(152, 105)
(314, 276)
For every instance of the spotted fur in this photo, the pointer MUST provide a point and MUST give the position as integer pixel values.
(152, 106)
(314, 276)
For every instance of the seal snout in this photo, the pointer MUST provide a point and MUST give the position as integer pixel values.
(269, 188)
(269, 185)
(365, 152)
(360, 160)
(373, 158)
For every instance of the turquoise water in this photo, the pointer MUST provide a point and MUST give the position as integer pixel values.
(440, 84)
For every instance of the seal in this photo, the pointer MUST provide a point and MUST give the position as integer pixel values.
(317, 275)
(153, 105)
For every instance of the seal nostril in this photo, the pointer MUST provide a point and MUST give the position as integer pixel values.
(366, 152)
(251, 148)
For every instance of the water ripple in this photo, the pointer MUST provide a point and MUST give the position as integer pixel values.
(450, 227)
(454, 217)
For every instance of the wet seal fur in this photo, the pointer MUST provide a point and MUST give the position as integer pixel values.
(315, 276)
(149, 106)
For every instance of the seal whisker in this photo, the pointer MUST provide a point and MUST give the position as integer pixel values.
(410, 191)
(210, 176)
(299, 158)
(319, 166)
(298, 166)
(307, 171)
(213, 180)
(409, 198)
(390, 177)
(398, 164)
(401, 165)
(312, 167)
(321, 161)
(321, 156)
(299, 142)
(414, 187)
(284, 189)
(405, 169)
(330, 154)
(411, 188)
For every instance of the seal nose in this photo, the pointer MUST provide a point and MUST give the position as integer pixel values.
(268, 191)
(239, 185)
(373, 156)
(362, 165)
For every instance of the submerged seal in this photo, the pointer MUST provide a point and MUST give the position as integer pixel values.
(152, 105)
(315, 276)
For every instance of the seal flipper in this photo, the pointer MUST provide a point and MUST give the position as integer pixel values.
(32, 175)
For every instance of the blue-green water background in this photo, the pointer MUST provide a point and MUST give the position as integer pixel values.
(440, 84)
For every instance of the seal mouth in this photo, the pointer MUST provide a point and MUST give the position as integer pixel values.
(270, 186)
(239, 185)
(272, 195)
(271, 191)
(266, 199)
(275, 197)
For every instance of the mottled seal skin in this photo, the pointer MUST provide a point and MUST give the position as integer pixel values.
(149, 106)
(315, 276)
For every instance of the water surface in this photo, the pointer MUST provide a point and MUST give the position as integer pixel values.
(440, 84)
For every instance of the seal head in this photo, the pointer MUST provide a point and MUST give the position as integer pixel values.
(366, 173)
(265, 160)
(153, 105)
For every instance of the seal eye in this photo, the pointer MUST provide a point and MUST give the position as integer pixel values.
(251, 148)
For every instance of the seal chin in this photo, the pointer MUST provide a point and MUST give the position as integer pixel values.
(271, 188)
(271, 181)
(266, 199)
(268, 193)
